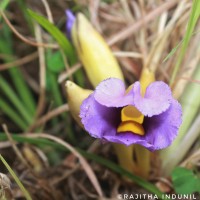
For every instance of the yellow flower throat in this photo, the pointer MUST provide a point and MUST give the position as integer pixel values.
(131, 121)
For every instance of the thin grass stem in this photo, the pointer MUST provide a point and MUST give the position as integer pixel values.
(195, 12)
(19, 183)
(12, 115)
(8, 91)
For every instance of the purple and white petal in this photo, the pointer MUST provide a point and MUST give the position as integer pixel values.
(161, 130)
(100, 113)
(112, 93)
(98, 120)
(156, 100)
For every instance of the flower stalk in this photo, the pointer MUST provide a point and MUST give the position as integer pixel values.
(125, 157)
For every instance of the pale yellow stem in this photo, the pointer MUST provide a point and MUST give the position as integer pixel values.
(142, 160)
(125, 156)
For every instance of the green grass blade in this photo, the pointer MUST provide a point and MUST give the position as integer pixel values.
(3, 5)
(12, 115)
(172, 52)
(35, 141)
(15, 100)
(23, 8)
(16, 76)
(23, 90)
(55, 91)
(54, 88)
(57, 34)
(195, 13)
(24, 191)
(59, 101)
(80, 78)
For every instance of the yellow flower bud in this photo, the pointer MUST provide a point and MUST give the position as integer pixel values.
(76, 95)
(146, 78)
(94, 53)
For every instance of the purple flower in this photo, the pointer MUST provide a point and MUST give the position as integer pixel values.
(70, 21)
(112, 114)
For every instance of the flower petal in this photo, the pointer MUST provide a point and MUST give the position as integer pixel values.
(98, 120)
(112, 93)
(70, 21)
(156, 100)
(162, 129)
(127, 139)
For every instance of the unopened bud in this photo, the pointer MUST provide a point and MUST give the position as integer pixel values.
(75, 96)
(146, 78)
(97, 58)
